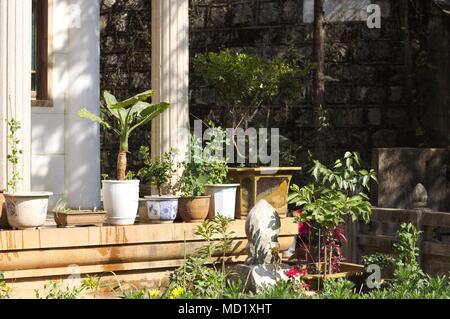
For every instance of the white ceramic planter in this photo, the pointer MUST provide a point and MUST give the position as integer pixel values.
(120, 201)
(223, 200)
(27, 210)
(161, 209)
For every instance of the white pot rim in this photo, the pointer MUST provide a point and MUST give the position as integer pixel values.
(134, 181)
(29, 194)
(163, 197)
(222, 185)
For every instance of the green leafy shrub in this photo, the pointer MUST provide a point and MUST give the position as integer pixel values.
(157, 171)
(204, 165)
(324, 203)
(204, 274)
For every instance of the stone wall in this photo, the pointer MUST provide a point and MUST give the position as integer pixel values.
(125, 61)
(365, 101)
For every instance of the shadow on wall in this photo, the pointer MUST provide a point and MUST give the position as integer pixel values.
(401, 169)
(82, 140)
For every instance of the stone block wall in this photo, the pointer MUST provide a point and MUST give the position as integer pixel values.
(365, 100)
(125, 61)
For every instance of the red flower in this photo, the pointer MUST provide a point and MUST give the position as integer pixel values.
(293, 272)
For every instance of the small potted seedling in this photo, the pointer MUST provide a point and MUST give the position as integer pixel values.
(66, 217)
(157, 174)
(161, 208)
(25, 210)
(121, 196)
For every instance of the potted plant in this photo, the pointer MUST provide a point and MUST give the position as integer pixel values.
(245, 86)
(324, 203)
(194, 205)
(66, 217)
(223, 194)
(161, 208)
(25, 210)
(121, 196)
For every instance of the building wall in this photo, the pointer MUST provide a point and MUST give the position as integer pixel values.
(365, 101)
(47, 123)
(65, 148)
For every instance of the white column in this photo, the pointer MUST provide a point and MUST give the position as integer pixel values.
(15, 83)
(82, 141)
(170, 74)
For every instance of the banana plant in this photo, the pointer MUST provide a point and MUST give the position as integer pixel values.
(122, 118)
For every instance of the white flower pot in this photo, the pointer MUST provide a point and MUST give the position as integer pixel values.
(161, 209)
(223, 200)
(27, 210)
(120, 201)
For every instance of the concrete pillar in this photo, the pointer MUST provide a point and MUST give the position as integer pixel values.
(170, 74)
(82, 140)
(15, 84)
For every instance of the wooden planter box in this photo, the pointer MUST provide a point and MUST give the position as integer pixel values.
(353, 272)
(262, 183)
(76, 218)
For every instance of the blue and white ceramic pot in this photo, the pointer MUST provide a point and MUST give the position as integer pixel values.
(161, 209)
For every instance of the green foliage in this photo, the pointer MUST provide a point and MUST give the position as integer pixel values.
(134, 294)
(200, 275)
(382, 260)
(335, 192)
(244, 82)
(91, 283)
(407, 248)
(409, 282)
(122, 118)
(204, 165)
(5, 289)
(338, 289)
(14, 154)
(281, 290)
(157, 171)
(55, 290)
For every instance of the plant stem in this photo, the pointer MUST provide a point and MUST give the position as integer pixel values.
(122, 165)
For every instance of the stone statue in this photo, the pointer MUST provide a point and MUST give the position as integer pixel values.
(263, 266)
(262, 229)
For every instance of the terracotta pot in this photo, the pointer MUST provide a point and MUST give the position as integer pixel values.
(75, 218)
(194, 209)
(352, 272)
